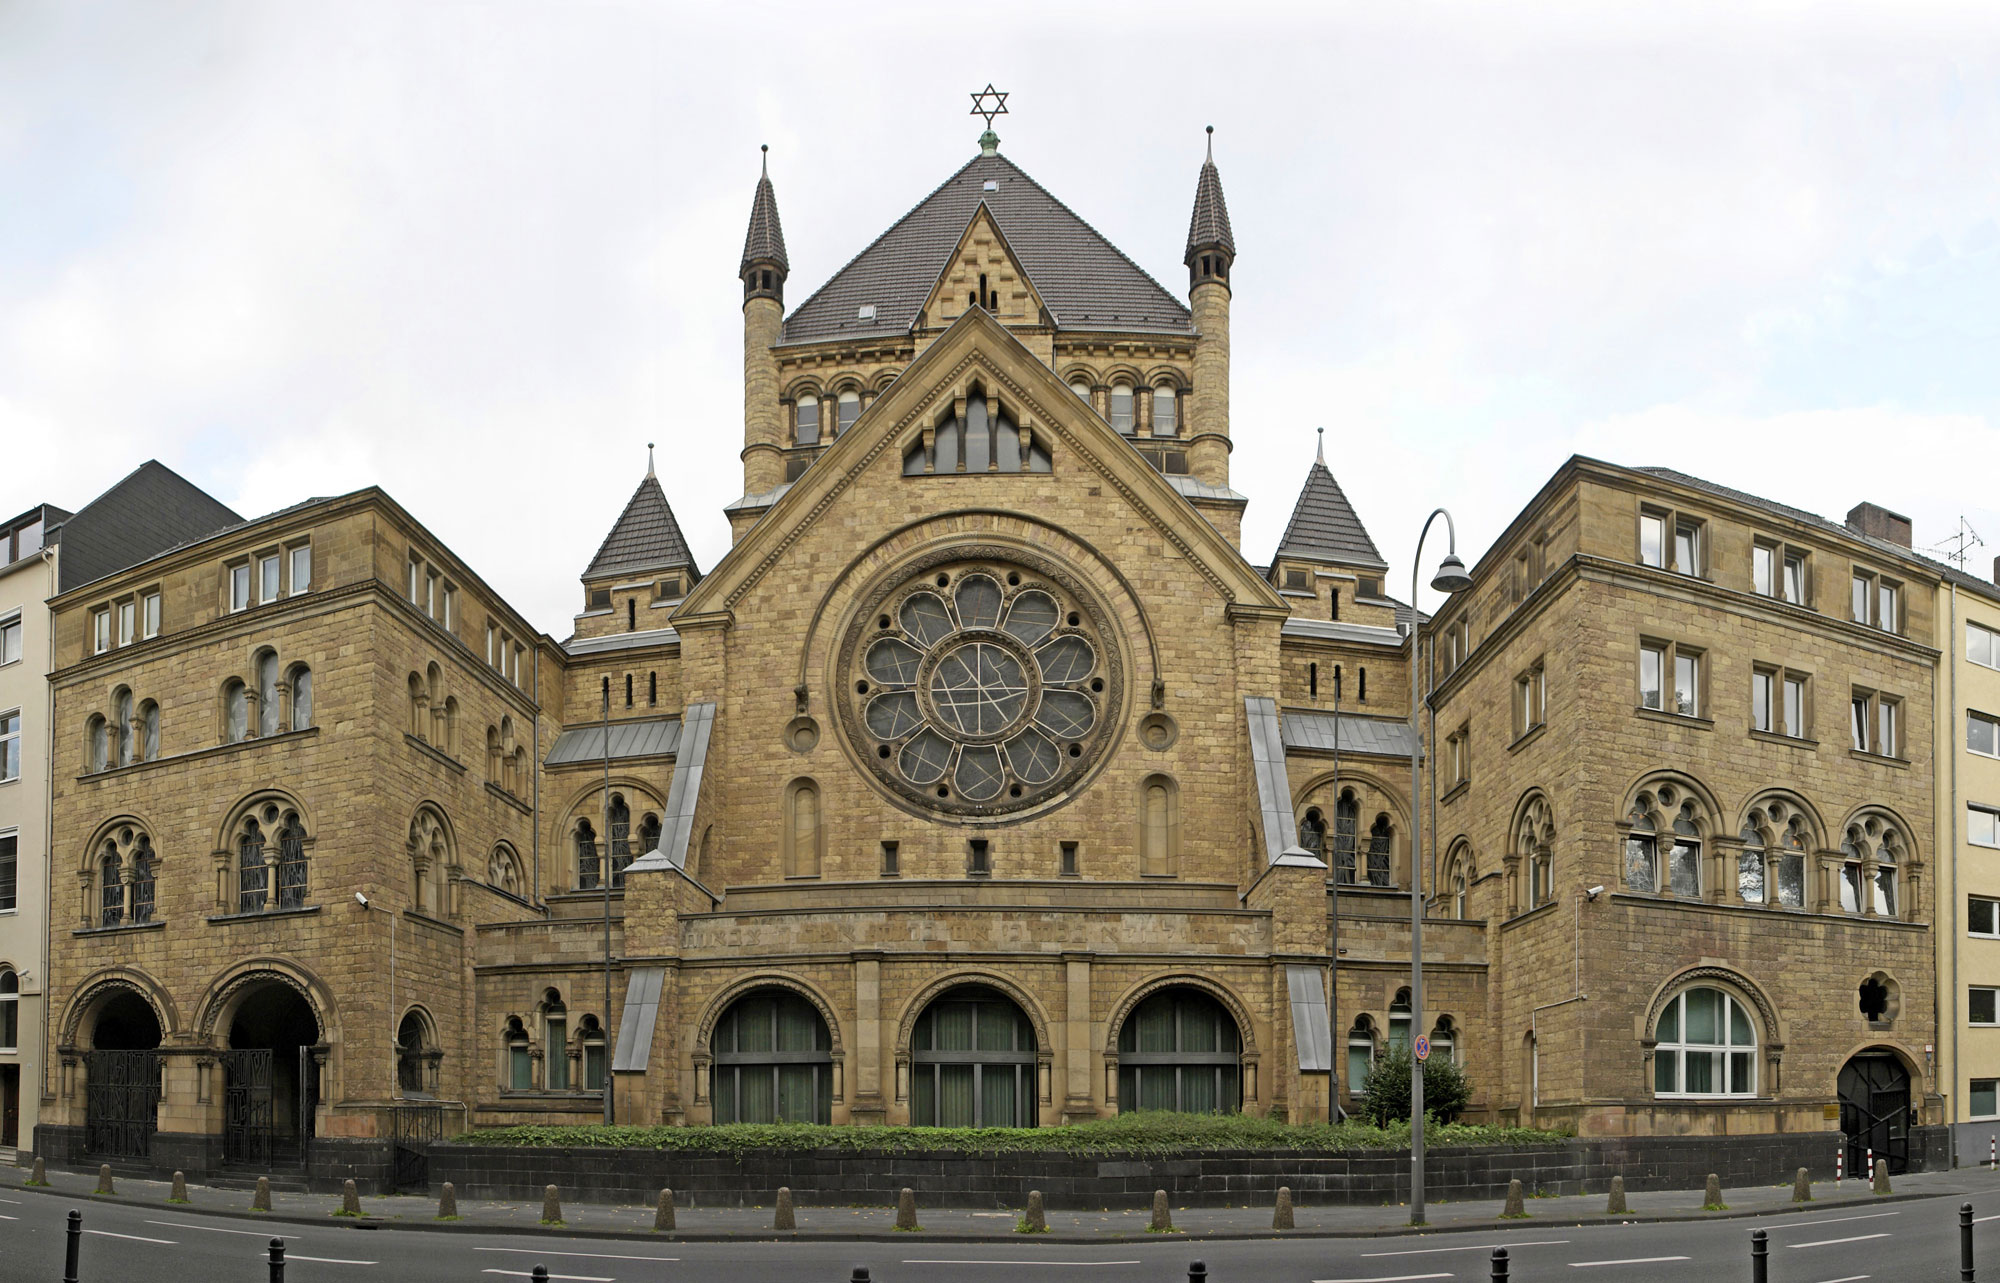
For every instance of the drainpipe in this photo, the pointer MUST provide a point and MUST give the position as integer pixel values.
(1938, 1000)
(48, 739)
(537, 742)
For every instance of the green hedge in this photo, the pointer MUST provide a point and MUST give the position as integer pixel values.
(1133, 1133)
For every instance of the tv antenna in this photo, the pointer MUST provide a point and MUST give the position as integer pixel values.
(1958, 548)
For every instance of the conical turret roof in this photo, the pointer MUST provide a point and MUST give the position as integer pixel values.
(765, 241)
(1209, 225)
(645, 538)
(1324, 526)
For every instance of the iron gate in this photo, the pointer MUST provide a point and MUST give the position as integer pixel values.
(412, 1129)
(308, 1103)
(121, 1102)
(247, 1107)
(1875, 1111)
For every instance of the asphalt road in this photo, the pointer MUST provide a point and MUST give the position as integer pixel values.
(1907, 1242)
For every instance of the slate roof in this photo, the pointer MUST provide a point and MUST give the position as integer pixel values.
(1312, 730)
(765, 241)
(645, 537)
(151, 510)
(1324, 526)
(1086, 282)
(653, 737)
(1210, 223)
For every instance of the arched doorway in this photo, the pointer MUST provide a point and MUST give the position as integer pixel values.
(773, 1061)
(972, 1062)
(270, 1079)
(122, 1077)
(1180, 1050)
(1875, 1109)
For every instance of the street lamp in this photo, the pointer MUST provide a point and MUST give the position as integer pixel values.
(1450, 578)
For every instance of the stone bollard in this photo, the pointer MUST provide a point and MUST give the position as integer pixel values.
(179, 1192)
(1197, 1272)
(40, 1174)
(1802, 1187)
(350, 1198)
(906, 1210)
(1163, 1221)
(104, 1180)
(784, 1220)
(663, 1215)
(1281, 1215)
(860, 1275)
(551, 1205)
(1514, 1211)
(1711, 1195)
(448, 1203)
(1035, 1220)
(1881, 1176)
(261, 1200)
(1615, 1205)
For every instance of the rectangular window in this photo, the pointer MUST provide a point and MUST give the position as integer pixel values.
(1795, 706)
(1069, 863)
(1795, 578)
(1687, 684)
(1687, 547)
(1652, 676)
(1163, 412)
(1888, 607)
(239, 586)
(1983, 1100)
(10, 745)
(1763, 570)
(416, 581)
(1761, 708)
(519, 653)
(1979, 1005)
(150, 612)
(489, 645)
(593, 1066)
(1982, 734)
(978, 858)
(1982, 645)
(1652, 540)
(450, 608)
(1982, 917)
(1863, 585)
(520, 1069)
(1982, 826)
(1530, 700)
(431, 595)
(100, 630)
(892, 859)
(10, 640)
(267, 578)
(10, 846)
(302, 568)
(128, 622)
(1888, 729)
(557, 1059)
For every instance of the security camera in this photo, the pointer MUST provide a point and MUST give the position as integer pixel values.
(1592, 892)
(361, 899)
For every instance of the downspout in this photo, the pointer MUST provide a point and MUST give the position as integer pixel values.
(540, 901)
(1336, 1044)
(1951, 744)
(48, 815)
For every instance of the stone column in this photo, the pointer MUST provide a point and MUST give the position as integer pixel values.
(867, 1107)
(1209, 414)
(763, 417)
(1079, 1041)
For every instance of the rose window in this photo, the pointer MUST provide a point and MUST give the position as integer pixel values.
(980, 686)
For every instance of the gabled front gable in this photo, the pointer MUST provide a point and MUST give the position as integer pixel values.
(979, 349)
(983, 272)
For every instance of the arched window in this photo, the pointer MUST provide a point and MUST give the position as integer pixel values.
(1159, 827)
(520, 1063)
(269, 843)
(1457, 879)
(586, 856)
(1444, 1039)
(1871, 853)
(628, 684)
(1642, 850)
(235, 711)
(805, 421)
(1380, 837)
(1706, 1045)
(649, 834)
(1179, 1049)
(1360, 1054)
(415, 1053)
(848, 410)
(252, 879)
(142, 879)
(429, 850)
(1082, 389)
(773, 1061)
(631, 625)
(503, 870)
(1121, 408)
(1791, 864)
(1164, 424)
(1750, 864)
(111, 889)
(97, 744)
(1668, 811)
(420, 721)
(448, 735)
(803, 838)
(1399, 1021)
(555, 1040)
(590, 1035)
(621, 838)
(149, 731)
(1885, 876)
(1312, 832)
(985, 440)
(1534, 845)
(1346, 823)
(495, 765)
(302, 698)
(267, 694)
(292, 880)
(119, 889)
(121, 722)
(1684, 864)
(10, 1009)
(972, 1062)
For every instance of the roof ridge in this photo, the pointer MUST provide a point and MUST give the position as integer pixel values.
(1088, 226)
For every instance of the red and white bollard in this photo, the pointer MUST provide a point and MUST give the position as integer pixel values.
(1839, 1166)
(1993, 1152)
(1869, 1174)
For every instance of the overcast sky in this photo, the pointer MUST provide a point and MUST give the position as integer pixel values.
(481, 253)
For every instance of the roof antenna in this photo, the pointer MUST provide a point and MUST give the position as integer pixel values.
(1322, 446)
(649, 458)
(1211, 144)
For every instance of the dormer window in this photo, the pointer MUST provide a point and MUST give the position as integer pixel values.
(805, 421)
(849, 411)
(1121, 408)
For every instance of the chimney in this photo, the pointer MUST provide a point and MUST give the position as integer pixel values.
(1996, 570)
(1879, 523)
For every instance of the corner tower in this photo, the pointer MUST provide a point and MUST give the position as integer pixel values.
(763, 272)
(1211, 252)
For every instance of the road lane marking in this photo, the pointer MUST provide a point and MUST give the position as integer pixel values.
(1829, 1242)
(1636, 1260)
(1390, 1278)
(15, 1201)
(594, 1256)
(1069, 1264)
(1994, 1217)
(327, 1260)
(216, 1229)
(1824, 1220)
(9, 1218)
(1851, 1278)
(136, 1238)
(1477, 1247)
(574, 1278)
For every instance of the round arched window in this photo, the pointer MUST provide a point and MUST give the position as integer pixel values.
(1707, 1046)
(981, 685)
(773, 1061)
(1179, 1049)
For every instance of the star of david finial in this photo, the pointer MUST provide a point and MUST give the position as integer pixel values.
(981, 107)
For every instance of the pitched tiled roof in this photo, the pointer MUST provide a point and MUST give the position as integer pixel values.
(1084, 279)
(646, 537)
(1210, 222)
(766, 238)
(150, 511)
(1324, 527)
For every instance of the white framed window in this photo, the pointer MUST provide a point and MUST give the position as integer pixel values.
(1794, 584)
(1778, 702)
(431, 595)
(100, 630)
(1982, 1100)
(1763, 701)
(846, 410)
(1876, 601)
(1164, 424)
(10, 745)
(1982, 645)
(149, 613)
(1688, 547)
(489, 645)
(239, 587)
(1653, 539)
(1982, 734)
(805, 421)
(1982, 826)
(1875, 723)
(450, 608)
(128, 622)
(416, 580)
(268, 567)
(10, 848)
(1980, 1005)
(302, 568)
(1982, 917)
(1121, 408)
(10, 640)
(1794, 706)
(519, 653)
(1707, 1046)
(1531, 699)
(10, 1008)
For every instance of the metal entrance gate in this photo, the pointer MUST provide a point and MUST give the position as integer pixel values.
(121, 1102)
(1875, 1111)
(412, 1129)
(247, 1107)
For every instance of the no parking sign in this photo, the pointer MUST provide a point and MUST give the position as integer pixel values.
(1423, 1047)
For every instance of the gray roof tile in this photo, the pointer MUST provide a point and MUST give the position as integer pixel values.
(1209, 225)
(765, 241)
(1084, 279)
(1324, 526)
(1313, 730)
(645, 537)
(652, 737)
(150, 511)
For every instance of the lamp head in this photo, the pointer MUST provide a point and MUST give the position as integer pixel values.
(1451, 576)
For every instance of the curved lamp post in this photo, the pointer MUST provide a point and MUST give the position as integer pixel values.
(1451, 577)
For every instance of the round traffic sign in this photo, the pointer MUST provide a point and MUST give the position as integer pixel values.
(1423, 1047)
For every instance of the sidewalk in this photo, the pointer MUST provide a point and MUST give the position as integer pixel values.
(699, 1224)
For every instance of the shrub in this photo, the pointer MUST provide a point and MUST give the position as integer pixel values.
(1446, 1090)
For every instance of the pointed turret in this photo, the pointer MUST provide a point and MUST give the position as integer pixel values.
(1211, 250)
(763, 271)
(644, 562)
(1325, 528)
